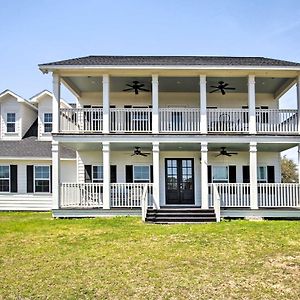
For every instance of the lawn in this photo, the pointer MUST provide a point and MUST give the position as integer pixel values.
(122, 258)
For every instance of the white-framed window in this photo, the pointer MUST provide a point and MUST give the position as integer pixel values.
(141, 174)
(42, 179)
(4, 178)
(97, 174)
(47, 122)
(220, 174)
(11, 122)
(262, 174)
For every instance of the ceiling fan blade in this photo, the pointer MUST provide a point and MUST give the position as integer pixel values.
(145, 90)
(140, 85)
(219, 154)
(228, 154)
(213, 91)
(133, 154)
(213, 86)
(232, 153)
(128, 90)
(143, 154)
(223, 92)
(129, 85)
(229, 88)
(136, 91)
(226, 84)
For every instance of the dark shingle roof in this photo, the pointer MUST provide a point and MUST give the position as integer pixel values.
(31, 147)
(172, 60)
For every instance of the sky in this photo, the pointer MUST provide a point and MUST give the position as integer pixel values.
(34, 32)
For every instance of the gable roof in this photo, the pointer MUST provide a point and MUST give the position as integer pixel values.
(17, 97)
(104, 60)
(35, 98)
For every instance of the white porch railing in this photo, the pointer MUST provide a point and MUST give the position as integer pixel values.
(279, 195)
(231, 194)
(227, 120)
(81, 195)
(277, 120)
(129, 194)
(81, 120)
(179, 119)
(130, 119)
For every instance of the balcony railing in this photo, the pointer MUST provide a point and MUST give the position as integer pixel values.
(130, 119)
(178, 120)
(227, 120)
(81, 120)
(277, 120)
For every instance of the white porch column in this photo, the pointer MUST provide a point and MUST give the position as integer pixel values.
(299, 163)
(155, 110)
(105, 94)
(106, 174)
(298, 102)
(204, 176)
(156, 175)
(56, 103)
(253, 175)
(203, 104)
(251, 104)
(55, 175)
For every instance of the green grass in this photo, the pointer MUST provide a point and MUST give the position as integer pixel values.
(122, 258)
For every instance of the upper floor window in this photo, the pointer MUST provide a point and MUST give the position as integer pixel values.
(141, 174)
(47, 122)
(42, 179)
(11, 122)
(97, 174)
(4, 178)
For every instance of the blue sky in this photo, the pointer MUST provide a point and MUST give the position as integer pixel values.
(34, 32)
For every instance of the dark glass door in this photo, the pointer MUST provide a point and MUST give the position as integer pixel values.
(179, 181)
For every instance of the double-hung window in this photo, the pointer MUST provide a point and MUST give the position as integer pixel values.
(220, 174)
(262, 174)
(11, 122)
(4, 178)
(47, 122)
(42, 179)
(97, 174)
(141, 174)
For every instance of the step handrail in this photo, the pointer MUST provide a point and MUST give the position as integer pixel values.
(217, 203)
(144, 202)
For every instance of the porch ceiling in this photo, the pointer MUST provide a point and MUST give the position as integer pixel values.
(147, 147)
(176, 84)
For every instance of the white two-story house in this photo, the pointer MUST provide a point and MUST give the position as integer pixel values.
(174, 134)
(25, 152)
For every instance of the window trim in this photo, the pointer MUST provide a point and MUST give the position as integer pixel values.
(15, 122)
(220, 180)
(141, 180)
(34, 179)
(44, 122)
(9, 179)
(101, 180)
(266, 173)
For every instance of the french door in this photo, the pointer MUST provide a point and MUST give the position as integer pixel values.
(179, 181)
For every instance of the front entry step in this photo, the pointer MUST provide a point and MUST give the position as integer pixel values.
(180, 215)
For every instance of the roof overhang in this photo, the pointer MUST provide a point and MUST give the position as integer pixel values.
(18, 98)
(37, 97)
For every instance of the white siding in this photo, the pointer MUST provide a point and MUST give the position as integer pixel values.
(45, 106)
(28, 116)
(10, 105)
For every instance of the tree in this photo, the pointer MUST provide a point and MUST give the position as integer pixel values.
(289, 170)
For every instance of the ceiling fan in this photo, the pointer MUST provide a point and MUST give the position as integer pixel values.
(223, 151)
(136, 86)
(221, 87)
(138, 151)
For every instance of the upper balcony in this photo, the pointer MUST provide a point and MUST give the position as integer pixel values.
(231, 104)
(178, 120)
